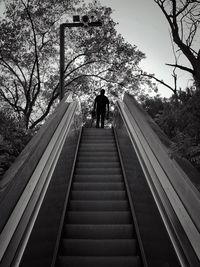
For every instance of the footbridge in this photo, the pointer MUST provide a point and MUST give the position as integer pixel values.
(87, 197)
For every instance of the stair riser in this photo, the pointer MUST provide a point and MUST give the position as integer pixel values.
(97, 159)
(99, 231)
(97, 154)
(98, 179)
(98, 186)
(98, 195)
(98, 205)
(100, 261)
(82, 247)
(97, 142)
(98, 218)
(98, 164)
(97, 171)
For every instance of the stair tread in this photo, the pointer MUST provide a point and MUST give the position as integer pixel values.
(97, 158)
(96, 231)
(102, 154)
(98, 171)
(94, 141)
(98, 195)
(97, 164)
(78, 261)
(97, 145)
(97, 154)
(106, 147)
(98, 217)
(97, 186)
(98, 132)
(98, 178)
(94, 247)
(98, 205)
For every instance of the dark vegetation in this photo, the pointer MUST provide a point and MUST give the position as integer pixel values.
(180, 120)
(13, 138)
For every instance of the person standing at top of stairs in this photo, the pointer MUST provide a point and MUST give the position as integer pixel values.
(100, 104)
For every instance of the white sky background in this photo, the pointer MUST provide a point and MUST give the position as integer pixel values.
(142, 23)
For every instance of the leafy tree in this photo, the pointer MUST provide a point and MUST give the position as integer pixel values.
(28, 50)
(29, 56)
(184, 22)
(153, 105)
(13, 138)
(181, 123)
(102, 59)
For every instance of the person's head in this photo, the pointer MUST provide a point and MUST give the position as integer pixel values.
(102, 91)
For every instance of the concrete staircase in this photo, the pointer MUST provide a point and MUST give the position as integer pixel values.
(98, 230)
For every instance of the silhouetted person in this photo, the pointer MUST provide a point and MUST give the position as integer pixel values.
(100, 104)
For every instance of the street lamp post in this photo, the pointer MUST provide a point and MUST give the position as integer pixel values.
(84, 22)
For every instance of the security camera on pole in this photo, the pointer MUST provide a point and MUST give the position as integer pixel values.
(84, 21)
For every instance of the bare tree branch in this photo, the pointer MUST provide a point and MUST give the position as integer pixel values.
(185, 25)
(48, 108)
(6, 65)
(158, 80)
(181, 67)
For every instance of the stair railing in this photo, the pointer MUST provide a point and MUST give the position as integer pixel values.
(178, 200)
(25, 184)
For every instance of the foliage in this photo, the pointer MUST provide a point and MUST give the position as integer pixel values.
(13, 138)
(28, 51)
(102, 59)
(180, 122)
(153, 105)
(96, 57)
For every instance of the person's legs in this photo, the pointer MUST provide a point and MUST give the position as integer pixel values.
(98, 119)
(102, 119)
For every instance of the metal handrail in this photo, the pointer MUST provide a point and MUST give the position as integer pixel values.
(24, 214)
(163, 173)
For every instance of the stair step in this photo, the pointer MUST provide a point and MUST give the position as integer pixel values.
(100, 217)
(97, 171)
(97, 132)
(130, 261)
(101, 205)
(98, 178)
(36, 262)
(97, 145)
(97, 186)
(98, 228)
(90, 231)
(97, 141)
(105, 149)
(98, 164)
(100, 147)
(92, 158)
(91, 247)
(97, 137)
(95, 153)
(98, 195)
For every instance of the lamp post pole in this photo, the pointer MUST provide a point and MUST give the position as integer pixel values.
(62, 61)
(85, 23)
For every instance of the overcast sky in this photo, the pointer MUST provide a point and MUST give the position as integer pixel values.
(142, 23)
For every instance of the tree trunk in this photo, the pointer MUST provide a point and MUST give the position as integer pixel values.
(197, 76)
